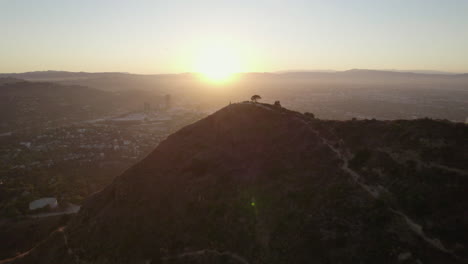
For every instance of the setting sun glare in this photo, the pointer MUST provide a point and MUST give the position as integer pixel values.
(218, 64)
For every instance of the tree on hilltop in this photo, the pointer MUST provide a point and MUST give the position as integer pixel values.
(255, 97)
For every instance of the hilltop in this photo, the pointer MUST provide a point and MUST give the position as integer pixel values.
(255, 183)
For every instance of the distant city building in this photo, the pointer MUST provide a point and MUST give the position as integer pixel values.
(43, 202)
(168, 101)
(147, 107)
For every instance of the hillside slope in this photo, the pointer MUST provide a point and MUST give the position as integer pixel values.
(257, 184)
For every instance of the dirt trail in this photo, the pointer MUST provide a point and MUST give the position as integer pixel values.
(374, 191)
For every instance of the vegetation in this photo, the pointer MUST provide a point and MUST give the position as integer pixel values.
(255, 97)
(205, 190)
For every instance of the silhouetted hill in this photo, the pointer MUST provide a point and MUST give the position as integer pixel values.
(253, 183)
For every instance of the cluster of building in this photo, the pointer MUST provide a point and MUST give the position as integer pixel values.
(69, 162)
(126, 137)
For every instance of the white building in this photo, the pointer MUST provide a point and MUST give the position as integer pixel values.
(43, 202)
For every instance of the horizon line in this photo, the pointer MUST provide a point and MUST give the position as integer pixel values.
(428, 72)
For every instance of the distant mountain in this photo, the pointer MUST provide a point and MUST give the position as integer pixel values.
(254, 183)
(110, 81)
(401, 71)
(427, 72)
(76, 76)
(395, 74)
(56, 75)
(35, 105)
(357, 75)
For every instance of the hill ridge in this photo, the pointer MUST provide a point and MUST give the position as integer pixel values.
(225, 186)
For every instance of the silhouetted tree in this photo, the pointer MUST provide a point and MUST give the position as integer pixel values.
(255, 97)
(277, 104)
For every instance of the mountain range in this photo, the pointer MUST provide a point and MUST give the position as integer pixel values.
(64, 75)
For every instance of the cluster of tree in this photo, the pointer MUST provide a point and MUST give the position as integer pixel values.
(277, 104)
(256, 97)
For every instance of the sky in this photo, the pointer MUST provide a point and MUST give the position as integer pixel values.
(143, 36)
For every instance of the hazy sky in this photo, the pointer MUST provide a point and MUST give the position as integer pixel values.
(171, 36)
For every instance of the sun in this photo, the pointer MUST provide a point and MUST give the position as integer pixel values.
(218, 64)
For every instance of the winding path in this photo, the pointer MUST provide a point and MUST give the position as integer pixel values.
(375, 192)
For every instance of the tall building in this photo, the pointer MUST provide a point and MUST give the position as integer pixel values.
(147, 107)
(168, 101)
